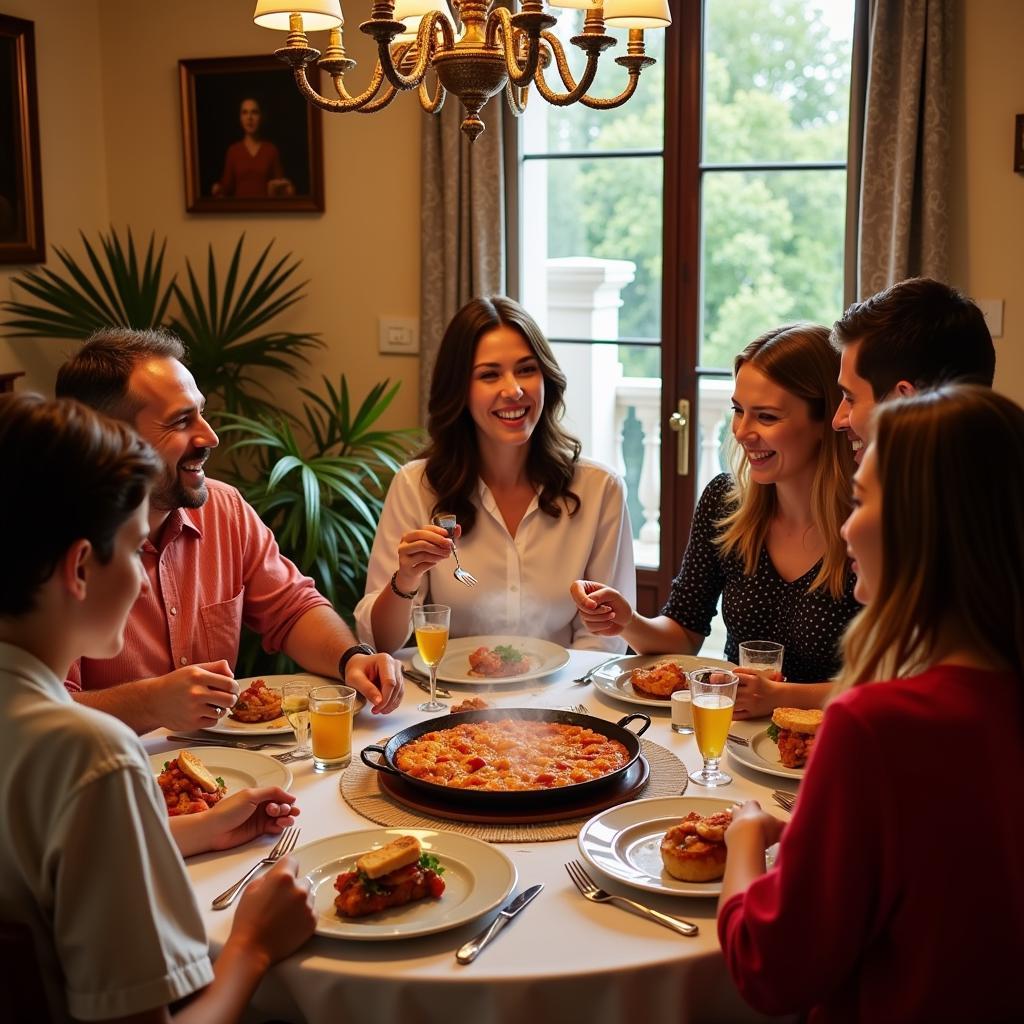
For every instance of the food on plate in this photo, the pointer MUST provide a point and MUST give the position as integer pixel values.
(503, 660)
(188, 785)
(511, 754)
(470, 704)
(391, 876)
(659, 680)
(258, 703)
(794, 729)
(694, 850)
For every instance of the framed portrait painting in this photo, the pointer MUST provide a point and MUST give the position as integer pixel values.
(21, 194)
(252, 143)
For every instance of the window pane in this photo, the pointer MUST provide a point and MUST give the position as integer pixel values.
(771, 252)
(607, 209)
(637, 124)
(776, 80)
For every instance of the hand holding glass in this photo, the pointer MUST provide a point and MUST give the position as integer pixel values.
(331, 709)
(712, 697)
(296, 709)
(430, 621)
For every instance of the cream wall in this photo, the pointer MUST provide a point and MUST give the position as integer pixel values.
(361, 256)
(987, 259)
(72, 150)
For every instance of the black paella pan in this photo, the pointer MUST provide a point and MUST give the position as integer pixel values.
(513, 798)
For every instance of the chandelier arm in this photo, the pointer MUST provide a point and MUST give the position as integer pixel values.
(499, 23)
(577, 90)
(599, 103)
(634, 62)
(426, 45)
(338, 106)
(389, 93)
(432, 104)
(517, 98)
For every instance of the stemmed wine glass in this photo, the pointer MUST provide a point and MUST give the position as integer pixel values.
(712, 697)
(296, 708)
(431, 623)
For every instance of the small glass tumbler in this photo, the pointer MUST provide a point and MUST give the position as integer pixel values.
(295, 705)
(763, 655)
(331, 709)
(682, 712)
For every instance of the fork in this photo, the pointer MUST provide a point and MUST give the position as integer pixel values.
(579, 709)
(447, 523)
(285, 845)
(785, 800)
(590, 891)
(226, 743)
(291, 756)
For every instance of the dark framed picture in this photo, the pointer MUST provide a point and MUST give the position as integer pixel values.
(252, 142)
(1018, 145)
(21, 191)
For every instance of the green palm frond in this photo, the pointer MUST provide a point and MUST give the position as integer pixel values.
(223, 328)
(319, 482)
(119, 292)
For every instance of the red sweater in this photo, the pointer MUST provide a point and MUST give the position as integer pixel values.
(246, 175)
(898, 894)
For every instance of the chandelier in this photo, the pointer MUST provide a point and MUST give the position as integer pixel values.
(496, 50)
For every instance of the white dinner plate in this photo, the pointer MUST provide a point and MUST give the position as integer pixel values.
(763, 755)
(227, 726)
(625, 842)
(544, 656)
(615, 679)
(477, 878)
(238, 768)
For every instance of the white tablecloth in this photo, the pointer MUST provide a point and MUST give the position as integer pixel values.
(563, 959)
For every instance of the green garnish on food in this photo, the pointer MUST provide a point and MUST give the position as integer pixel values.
(508, 653)
(429, 862)
(221, 783)
(370, 883)
(167, 764)
(773, 732)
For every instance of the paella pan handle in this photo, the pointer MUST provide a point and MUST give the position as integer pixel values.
(623, 722)
(379, 766)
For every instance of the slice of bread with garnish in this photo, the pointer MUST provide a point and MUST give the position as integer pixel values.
(802, 720)
(397, 854)
(192, 767)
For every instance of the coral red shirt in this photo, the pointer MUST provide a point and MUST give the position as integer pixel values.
(246, 174)
(217, 567)
(898, 894)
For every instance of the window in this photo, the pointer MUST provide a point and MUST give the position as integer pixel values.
(770, 205)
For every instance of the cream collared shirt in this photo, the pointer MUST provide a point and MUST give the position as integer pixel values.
(86, 858)
(523, 581)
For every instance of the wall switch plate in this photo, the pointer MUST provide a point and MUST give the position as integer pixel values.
(992, 309)
(399, 335)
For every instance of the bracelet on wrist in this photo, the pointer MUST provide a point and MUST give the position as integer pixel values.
(401, 593)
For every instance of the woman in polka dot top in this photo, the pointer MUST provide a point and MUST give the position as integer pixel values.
(764, 538)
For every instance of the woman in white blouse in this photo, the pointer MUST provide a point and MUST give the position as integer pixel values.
(532, 515)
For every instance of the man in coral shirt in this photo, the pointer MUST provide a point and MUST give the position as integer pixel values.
(212, 563)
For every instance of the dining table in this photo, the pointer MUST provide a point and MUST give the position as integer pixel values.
(562, 959)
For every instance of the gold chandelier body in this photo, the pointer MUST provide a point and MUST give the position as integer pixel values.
(496, 50)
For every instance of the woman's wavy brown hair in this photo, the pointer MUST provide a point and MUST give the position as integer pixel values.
(950, 464)
(453, 456)
(799, 358)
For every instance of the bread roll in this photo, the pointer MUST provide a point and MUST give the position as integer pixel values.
(802, 720)
(194, 769)
(397, 854)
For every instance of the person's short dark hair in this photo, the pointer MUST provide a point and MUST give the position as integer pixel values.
(80, 475)
(921, 331)
(97, 374)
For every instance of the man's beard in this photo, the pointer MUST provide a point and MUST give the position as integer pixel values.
(170, 493)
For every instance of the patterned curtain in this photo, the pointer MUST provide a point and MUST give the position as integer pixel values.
(462, 246)
(899, 160)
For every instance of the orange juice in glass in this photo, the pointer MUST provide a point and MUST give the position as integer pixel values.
(712, 696)
(331, 709)
(431, 622)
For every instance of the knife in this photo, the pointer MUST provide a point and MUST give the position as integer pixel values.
(471, 950)
(423, 682)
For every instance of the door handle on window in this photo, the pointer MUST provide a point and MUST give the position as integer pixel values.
(680, 423)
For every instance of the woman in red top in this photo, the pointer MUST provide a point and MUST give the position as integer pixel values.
(252, 166)
(898, 893)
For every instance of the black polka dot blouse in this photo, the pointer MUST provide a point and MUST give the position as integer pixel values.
(809, 623)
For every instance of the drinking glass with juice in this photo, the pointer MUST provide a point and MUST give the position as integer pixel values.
(712, 697)
(431, 622)
(331, 709)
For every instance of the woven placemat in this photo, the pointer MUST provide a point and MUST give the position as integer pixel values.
(362, 792)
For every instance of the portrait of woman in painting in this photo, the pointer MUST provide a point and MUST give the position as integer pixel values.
(252, 165)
